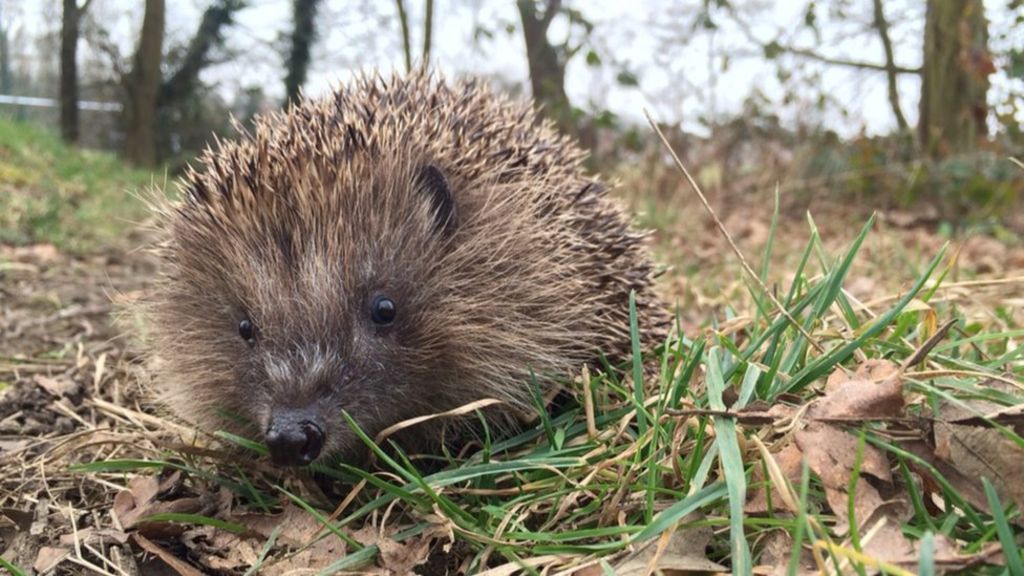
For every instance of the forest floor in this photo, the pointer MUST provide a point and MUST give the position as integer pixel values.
(95, 479)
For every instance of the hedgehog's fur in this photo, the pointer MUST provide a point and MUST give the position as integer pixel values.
(299, 224)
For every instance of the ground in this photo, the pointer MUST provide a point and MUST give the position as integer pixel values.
(94, 478)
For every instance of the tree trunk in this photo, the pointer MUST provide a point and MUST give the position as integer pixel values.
(142, 88)
(303, 36)
(5, 60)
(69, 72)
(954, 77)
(547, 70)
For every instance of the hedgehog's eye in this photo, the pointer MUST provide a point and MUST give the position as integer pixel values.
(383, 311)
(247, 330)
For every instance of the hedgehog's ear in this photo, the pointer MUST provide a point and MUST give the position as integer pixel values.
(434, 185)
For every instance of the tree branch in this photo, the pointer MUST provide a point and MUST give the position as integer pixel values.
(302, 38)
(554, 6)
(775, 47)
(428, 30)
(812, 55)
(403, 20)
(210, 33)
(890, 66)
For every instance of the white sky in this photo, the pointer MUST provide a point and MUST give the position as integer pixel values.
(678, 81)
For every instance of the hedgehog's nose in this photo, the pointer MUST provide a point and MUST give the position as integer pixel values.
(294, 438)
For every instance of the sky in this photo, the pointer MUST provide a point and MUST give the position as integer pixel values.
(683, 76)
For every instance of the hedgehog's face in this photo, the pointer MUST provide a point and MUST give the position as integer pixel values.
(306, 311)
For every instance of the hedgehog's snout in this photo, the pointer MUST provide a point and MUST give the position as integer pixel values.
(295, 437)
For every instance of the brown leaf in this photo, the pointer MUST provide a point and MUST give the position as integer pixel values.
(49, 557)
(969, 488)
(831, 453)
(219, 550)
(1010, 416)
(965, 440)
(684, 553)
(57, 387)
(882, 536)
(776, 549)
(297, 530)
(402, 557)
(888, 543)
(790, 460)
(861, 400)
(984, 452)
(828, 455)
(150, 495)
(297, 527)
(177, 564)
(21, 519)
(874, 392)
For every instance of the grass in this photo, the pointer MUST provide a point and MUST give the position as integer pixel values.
(639, 463)
(641, 460)
(78, 200)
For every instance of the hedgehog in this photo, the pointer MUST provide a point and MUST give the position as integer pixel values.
(399, 248)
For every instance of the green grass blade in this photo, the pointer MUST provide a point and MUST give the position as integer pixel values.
(926, 564)
(826, 363)
(14, 570)
(255, 568)
(638, 367)
(732, 464)
(1011, 552)
(676, 512)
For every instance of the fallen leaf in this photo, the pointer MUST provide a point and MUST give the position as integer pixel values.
(861, 400)
(297, 531)
(21, 519)
(219, 550)
(685, 552)
(57, 387)
(295, 526)
(13, 445)
(978, 451)
(402, 557)
(969, 488)
(49, 557)
(177, 564)
(875, 391)
(1010, 416)
(776, 549)
(790, 461)
(150, 495)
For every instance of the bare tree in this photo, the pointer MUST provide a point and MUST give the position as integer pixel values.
(955, 82)
(147, 91)
(70, 29)
(302, 38)
(142, 87)
(547, 66)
